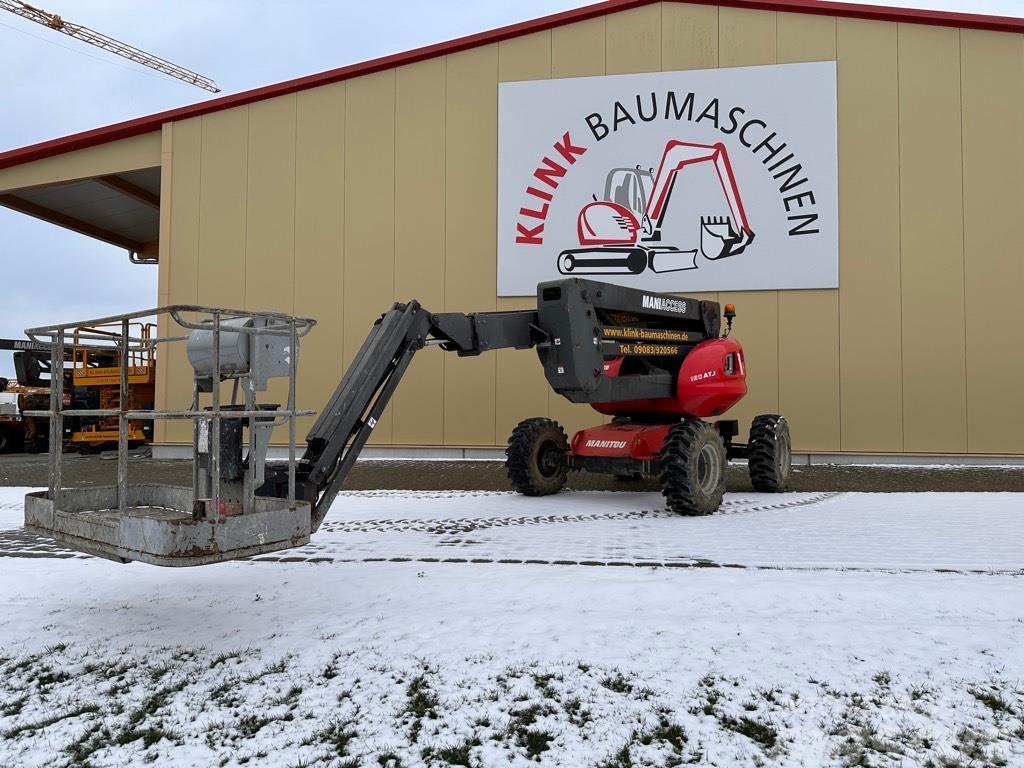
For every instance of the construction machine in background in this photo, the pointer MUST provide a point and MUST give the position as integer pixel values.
(12, 428)
(29, 391)
(96, 382)
(91, 379)
(658, 364)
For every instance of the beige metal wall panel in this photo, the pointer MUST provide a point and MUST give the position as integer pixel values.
(521, 391)
(166, 174)
(809, 320)
(270, 212)
(369, 212)
(747, 38)
(931, 229)
(116, 157)
(183, 264)
(270, 219)
(319, 241)
(993, 162)
(418, 406)
(471, 149)
(163, 290)
(633, 40)
(871, 347)
(577, 50)
(223, 196)
(689, 36)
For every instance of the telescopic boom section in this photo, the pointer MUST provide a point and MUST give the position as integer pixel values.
(348, 419)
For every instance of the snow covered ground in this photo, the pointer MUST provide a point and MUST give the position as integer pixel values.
(588, 629)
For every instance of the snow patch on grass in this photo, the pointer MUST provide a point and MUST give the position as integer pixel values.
(78, 706)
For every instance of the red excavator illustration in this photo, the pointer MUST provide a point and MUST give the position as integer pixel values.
(620, 234)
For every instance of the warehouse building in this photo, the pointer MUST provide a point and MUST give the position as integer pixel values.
(869, 181)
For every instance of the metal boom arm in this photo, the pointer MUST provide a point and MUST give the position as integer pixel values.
(348, 419)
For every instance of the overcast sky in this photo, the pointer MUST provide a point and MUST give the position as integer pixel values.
(52, 86)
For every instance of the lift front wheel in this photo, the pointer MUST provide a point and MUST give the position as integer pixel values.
(536, 457)
(693, 468)
(769, 454)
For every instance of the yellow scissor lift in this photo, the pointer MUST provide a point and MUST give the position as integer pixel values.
(96, 377)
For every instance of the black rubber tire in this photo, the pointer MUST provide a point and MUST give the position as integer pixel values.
(769, 453)
(5, 441)
(535, 460)
(693, 468)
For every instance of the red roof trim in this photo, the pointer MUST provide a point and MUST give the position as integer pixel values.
(151, 123)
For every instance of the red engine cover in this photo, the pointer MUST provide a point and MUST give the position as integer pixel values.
(712, 379)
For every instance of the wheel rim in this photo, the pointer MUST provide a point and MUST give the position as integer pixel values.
(708, 469)
(549, 459)
(784, 456)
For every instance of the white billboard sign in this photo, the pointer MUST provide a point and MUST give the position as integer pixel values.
(706, 180)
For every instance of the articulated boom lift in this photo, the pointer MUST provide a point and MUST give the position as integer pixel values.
(655, 362)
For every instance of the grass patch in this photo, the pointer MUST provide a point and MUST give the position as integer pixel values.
(542, 681)
(578, 714)
(534, 742)
(14, 706)
(620, 759)
(149, 736)
(338, 735)
(527, 716)
(331, 670)
(421, 702)
(250, 725)
(992, 700)
(453, 754)
(882, 679)
(617, 683)
(666, 731)
(755, 730)
(46, 722)
(226, 656)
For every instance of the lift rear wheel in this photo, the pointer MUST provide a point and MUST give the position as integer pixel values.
(536, 457)
(693, 468)
(769, 454)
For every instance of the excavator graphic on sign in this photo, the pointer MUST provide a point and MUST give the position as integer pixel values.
(621, 233)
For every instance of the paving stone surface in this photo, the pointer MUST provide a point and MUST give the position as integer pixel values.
(23, 470)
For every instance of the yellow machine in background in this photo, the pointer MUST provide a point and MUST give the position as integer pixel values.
(96, 378)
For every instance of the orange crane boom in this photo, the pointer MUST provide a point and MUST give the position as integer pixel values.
(91, 36)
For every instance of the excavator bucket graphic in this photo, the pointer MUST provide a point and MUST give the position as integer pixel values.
(718, 238)
(622, 233)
